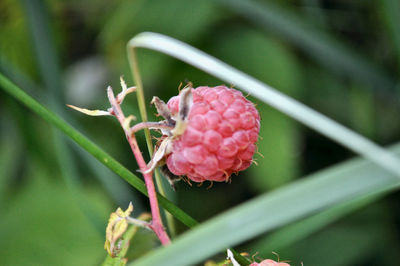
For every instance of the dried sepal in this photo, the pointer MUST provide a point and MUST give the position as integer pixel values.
(163, 150)
(161, 126)
(185, 104)
(163, 110)
(172, 127)
(89, 112)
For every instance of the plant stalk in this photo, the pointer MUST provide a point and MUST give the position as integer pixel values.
(133, 63)
(156, 223)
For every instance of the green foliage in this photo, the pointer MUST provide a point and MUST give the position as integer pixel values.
(350, 181)
(44, 226)
(15, 48)
(339, 58)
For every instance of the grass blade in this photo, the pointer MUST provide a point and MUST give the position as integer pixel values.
(297, 200)
(115, 186)
(90, 147)
(301, 229)
(349, 181)
(269, 95)
(48, 65)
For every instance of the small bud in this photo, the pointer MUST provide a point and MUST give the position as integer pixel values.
(117, 225)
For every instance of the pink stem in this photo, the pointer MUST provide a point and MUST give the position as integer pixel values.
(156, 224)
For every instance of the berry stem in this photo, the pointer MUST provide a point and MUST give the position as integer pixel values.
(134, 66)
(156, 223)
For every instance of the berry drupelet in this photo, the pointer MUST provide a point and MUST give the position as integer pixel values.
(208, 133)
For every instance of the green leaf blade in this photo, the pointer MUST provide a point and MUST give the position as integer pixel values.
(348, 181)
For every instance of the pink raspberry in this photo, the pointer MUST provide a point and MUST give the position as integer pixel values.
(219, 138)
(269, 263)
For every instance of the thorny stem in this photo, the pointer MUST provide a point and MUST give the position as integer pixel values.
(156, 223)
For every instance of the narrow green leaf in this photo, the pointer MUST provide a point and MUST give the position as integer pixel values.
(90, 147)
(49, 68)
(269, 95)
(348, 181)
(116, 187)
(301, 229)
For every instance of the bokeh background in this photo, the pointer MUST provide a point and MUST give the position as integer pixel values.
(340, 57)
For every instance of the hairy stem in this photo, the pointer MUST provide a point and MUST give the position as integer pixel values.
(133, 62)
(156, 224)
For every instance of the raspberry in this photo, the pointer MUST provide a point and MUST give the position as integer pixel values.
(269, 263)
(219, 136)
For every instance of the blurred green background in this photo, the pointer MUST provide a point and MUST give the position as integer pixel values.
(340, 57)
